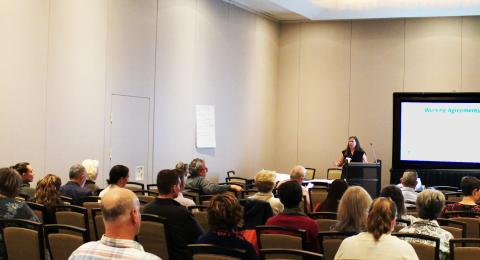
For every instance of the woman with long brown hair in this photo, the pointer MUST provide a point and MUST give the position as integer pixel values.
(46, 193)
(353, 210)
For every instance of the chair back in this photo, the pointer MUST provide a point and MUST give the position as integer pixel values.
(153, 235)
(200, 214)
(445, 189)
(472, 226)
(401, 223)
(193, 194)
(458, 250)
(40, 211)
(334, 173)
(61, 245)
(89, 205)
(310, 173)
(73, 216)
(152, 187)
(325, 224)
(23, 239)
(98, 225)
(317, 195)
(330, 241)
(273, 253)
(133, 186)
(280, 237)
(456, 228)
(214, 252)
(323, 215)
(423, 250)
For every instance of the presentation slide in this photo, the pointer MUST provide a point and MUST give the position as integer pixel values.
(440, 132)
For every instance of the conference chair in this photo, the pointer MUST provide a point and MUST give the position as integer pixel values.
(471, 219)
(445, 189)
(214, 252)
(310, 173)
(72, 215)
(98, 225)
(401, 223)
(146, 195)
(334, 173)
(280, 237)
(458, 250)
(323, 215)
(424, 251)
(40, 211)
(23, 239)
(193, 194)
(246, 183)
(199, 212)
(61, 244)
(457, 228)
(329, 242)
(152, 187)
(153, 235)
(67, 200)
(91, 202)
(133, 186)
(317, 196)
(273, 253)
(454, 196)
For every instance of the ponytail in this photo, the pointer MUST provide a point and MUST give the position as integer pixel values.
(380, 216)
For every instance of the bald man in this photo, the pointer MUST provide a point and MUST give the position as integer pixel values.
(298, 173)
(121, 215)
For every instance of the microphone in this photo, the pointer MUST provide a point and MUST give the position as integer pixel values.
(374, 154)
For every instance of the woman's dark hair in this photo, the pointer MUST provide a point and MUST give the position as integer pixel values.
(469, 184)
(10, 181)
(380, 216)
(116, 173)
(393, 192)
(21, 167)
(335, 193)
(290, 194)
(358, 148)
(224, 212)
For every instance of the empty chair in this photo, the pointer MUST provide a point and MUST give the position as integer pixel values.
(98, 224)
(334, 173)
(23, 239)
(329, 242)
(72, 215)
(61, 245)
(458, 229)
(214, 252)
(458, 250)
(153, 236)
(272, 253)
(310, 175)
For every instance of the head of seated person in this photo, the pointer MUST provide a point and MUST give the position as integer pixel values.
(197, 168)
(25, 169)
(10, 181)
(224, 212)
(298, 173)
(118, 175)
(353, 210)
(290, 194)
(409, 179)
(265, 181)
(430, 204)
(381, 217)
(335, 192)
(47, 191)
(91, 166)
(470, 187)
(78, 174)
(121, 213)
(168, 184)
(395, 194)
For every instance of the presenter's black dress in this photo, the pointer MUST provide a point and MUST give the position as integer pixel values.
(356, 157)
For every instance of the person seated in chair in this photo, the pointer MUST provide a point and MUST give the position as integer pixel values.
(121, 215)
(25, 170)
(118, 178)
(75, 187)
(182, 169)
(198, 171)
(290, 194)
(407, 185)
(182, 228)
(265, 182)
(471, 194)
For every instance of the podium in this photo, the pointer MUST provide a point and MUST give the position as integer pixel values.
(366, 175)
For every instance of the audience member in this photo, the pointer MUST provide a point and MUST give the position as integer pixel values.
(377, 243)
(182, 229)
(297, 174)
(290, 194)
(118, 178)
(407, 185)
(25, 169)
(47, 193)
(198, 170)
(75, 187)
(471, 194)
(353, 210)
(91, 166)
(430, 204)
(224, 216)
(395, 194)
(182, 169)
(10, 182)
(335, 192)
(265, 182)
(121, 215)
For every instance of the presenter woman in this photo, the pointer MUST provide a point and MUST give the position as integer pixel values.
(353, 153)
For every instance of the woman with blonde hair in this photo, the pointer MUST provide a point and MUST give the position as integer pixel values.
(377, 243)
(46, 193)
(353, 210)
(91, 166)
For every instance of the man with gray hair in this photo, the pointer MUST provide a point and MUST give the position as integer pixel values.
(75, 187)
(408, 182)
(121, 215)
(298, 173)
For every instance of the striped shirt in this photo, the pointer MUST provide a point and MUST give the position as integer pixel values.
(110, 248)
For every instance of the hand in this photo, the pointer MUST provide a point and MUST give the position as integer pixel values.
(236, 188)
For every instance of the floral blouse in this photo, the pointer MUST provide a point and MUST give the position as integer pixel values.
(11, 208)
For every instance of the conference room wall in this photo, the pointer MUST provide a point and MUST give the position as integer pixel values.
(382, 56)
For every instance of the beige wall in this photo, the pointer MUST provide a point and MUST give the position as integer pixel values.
(336, 79)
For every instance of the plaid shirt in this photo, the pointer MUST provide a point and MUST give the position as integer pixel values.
(110, 248)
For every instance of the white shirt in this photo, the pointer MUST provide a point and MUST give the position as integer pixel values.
(364, 246)
(275, 203)
(409, 194)
(184, 201)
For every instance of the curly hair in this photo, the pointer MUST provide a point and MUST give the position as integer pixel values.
(224, 212)
(46, 192)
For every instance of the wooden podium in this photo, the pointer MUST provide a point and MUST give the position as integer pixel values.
(366, 175)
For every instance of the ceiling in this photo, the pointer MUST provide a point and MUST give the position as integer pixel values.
(294, 10)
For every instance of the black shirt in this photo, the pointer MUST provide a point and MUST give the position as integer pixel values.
(357, 156)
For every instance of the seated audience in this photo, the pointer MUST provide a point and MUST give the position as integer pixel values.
(224, 216)
(10, 182)
(353, 210)
(198, 170)
(395, 194)
(47, 193)
(25, 170)
(75, 187)
(407, 185)
(181, 169)
(471, 194)
(118, 178)
(297, 174)
(182, 229)
(335, 192)
(121, 215)
(290, 194)
(91, 166)
(377, 243)
(430, 204)
(265, 182)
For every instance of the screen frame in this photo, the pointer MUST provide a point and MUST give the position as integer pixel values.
(452, 97)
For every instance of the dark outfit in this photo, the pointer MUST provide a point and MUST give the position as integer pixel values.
(76, 192)
(357, 156)
(229, 239)
(182, 229)
(328, 205)
(92, 186)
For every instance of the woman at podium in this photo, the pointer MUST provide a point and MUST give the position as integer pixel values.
(353, 153)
